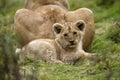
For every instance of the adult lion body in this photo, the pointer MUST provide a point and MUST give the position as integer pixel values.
(37, 19)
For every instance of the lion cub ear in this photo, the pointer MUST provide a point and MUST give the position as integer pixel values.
(80, 25)
(57, 27)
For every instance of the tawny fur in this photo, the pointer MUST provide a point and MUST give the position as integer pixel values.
(33, 4)
(65, 48)
(36, 20)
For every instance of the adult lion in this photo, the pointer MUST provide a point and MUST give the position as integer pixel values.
(36, 20)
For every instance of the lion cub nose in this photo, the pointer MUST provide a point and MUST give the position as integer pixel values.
(71, 42)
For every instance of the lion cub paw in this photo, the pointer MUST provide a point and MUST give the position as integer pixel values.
(70, 61)
(94, 57)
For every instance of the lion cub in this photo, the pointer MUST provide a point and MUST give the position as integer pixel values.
(66, 48)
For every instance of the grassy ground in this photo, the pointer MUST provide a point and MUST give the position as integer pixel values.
(106, 44)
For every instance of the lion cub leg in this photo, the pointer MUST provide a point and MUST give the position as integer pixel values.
(50, 56)
(90, 56)
(81, 54)
(71, 58)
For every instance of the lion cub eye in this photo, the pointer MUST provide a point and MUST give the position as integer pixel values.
(74, 33)
(66, 35)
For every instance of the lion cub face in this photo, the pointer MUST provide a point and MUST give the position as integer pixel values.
(69, 35)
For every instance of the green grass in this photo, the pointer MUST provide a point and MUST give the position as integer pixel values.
(106, 44)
